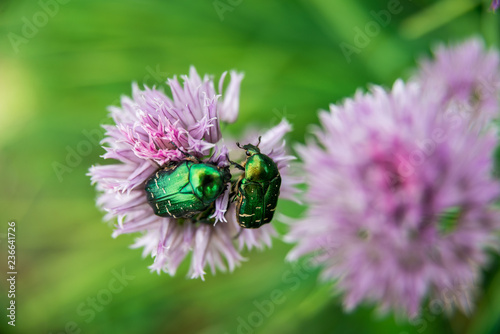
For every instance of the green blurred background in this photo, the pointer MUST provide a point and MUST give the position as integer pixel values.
(57, 78)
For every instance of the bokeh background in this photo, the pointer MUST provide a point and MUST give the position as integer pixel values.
(60, 70)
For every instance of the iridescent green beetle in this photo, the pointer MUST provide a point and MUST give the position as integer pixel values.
(258, 189)
(185, 188)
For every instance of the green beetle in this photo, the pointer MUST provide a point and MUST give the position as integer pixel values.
(186, 188)
(257, 190)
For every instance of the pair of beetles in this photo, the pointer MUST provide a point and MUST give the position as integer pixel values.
(189, 188)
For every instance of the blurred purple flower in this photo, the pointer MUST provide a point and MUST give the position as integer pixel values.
(388, 171)
(466, 76)
(141, 141)
(495, 4)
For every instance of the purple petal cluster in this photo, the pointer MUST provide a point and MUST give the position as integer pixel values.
(401, 188)
(495, 4)
(466, 76)
(149, 127)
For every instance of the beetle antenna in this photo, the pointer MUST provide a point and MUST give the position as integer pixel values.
(260, 137)
(185, 153)
(177, 148)
(238, 144)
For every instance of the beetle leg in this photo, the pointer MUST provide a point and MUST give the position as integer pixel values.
(237, 165)
(233, 195)
(239, 233)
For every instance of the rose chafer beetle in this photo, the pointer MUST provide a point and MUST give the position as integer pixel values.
(258, 189)
(183, 189)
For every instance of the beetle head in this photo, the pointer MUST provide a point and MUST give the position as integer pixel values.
(250, 149)
(226, 174)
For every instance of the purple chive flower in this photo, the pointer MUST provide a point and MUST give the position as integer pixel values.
(495, 4)
(465, 75)
(399, 200)
(141, 141)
